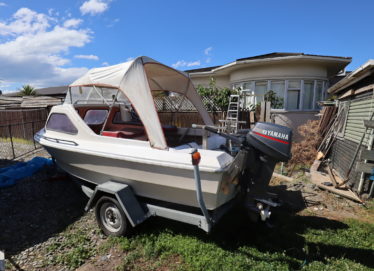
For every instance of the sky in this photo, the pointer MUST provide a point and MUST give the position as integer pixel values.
(52, 43)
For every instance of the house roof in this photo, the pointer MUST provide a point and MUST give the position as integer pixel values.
(352, 78)
(276, 56)
(51, 91)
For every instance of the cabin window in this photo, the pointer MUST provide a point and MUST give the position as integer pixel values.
(61, 123)
(95, 116)
(91, 95)
(129, 117)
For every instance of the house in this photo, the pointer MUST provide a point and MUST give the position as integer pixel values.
(355, 96)
(299, 81)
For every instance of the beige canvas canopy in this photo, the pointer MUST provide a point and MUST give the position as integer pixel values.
(136, 79)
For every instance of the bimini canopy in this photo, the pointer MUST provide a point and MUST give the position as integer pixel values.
(136, 79)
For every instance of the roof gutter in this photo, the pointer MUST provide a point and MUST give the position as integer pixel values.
(274, 59)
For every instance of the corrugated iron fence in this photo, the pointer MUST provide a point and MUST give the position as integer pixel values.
(17, 129)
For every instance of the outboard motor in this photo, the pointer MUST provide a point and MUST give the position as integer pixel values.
(268, 144)
(264, 145)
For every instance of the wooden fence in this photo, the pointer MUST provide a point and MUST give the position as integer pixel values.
(186, 119)
(22, 116)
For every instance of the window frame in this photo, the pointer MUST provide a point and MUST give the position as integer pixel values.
(252, 88)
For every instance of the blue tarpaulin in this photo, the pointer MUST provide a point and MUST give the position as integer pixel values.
(10, 175)
(372, 175)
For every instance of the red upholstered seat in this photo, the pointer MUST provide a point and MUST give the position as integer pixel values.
(123, 134)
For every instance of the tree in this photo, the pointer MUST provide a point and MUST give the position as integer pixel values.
(215, 97)
(275, 101)
(27, 90)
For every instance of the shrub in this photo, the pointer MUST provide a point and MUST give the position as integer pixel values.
(305, 151)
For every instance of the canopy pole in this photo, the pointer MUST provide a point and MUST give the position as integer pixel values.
(109, 111)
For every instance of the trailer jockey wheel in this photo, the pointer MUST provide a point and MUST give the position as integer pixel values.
(110, 217)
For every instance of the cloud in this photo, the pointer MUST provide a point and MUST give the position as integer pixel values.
(182, 63)
(208, 53)
(37, 47)
(105, 63)
(208, 50)
(130, 58)
(90, 57)
(94, 7)
(25, 21)
(2, 4)
(72, 23)
(113, 22)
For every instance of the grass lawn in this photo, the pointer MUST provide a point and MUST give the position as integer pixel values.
(295, 243)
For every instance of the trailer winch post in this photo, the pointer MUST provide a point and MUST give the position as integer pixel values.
(199, 194)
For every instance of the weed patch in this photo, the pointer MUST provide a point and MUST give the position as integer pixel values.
(298, 243)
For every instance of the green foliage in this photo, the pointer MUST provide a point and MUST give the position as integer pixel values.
(27, 90)
(215, 97)
(275, 101)
(75, 247)
(305, 243)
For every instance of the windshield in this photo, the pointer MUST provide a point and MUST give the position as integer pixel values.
(94, 95)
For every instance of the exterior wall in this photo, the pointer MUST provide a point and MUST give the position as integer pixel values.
(221, 81)
(279, 71)
(293, 120)
(341, 157)
(360, 107)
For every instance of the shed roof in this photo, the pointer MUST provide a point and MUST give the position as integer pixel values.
(360, 73)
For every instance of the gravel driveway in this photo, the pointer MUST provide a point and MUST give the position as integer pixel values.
(36, 208)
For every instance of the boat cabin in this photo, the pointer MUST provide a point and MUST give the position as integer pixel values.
(118, 102)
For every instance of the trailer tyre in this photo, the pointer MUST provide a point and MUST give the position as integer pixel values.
(110, 217)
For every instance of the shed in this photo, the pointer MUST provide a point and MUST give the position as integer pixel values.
(351, 151)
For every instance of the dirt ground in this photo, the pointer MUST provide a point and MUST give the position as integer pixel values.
(37, 210)
(314, 201)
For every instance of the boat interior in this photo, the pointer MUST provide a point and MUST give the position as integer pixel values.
(121, 121)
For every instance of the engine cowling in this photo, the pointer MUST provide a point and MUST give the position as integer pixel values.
(271, 139)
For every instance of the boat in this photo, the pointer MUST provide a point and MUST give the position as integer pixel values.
(108, 130)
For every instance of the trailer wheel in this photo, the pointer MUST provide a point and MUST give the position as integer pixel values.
(110, 217)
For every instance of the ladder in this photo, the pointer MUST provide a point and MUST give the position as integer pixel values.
(232, 117)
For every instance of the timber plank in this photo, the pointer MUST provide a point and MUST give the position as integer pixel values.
(365, 167)
(367, 155)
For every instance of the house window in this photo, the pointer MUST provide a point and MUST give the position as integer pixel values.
(293, 95)
(308, 94)
(260, 90)
(290, 94)
(61, 123)
(95, 116)
(278, 88)
(319, 93)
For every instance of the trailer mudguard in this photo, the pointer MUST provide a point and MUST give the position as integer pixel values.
(123, 193)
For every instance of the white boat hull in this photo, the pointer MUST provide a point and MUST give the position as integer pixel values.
(158, 182)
